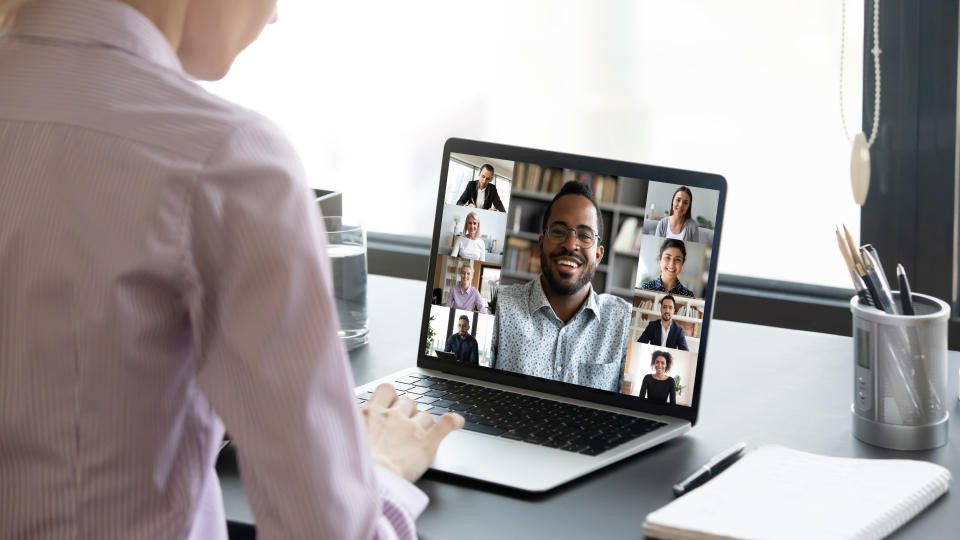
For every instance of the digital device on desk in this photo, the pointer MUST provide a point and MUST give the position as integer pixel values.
(444, 355)
(544, 409)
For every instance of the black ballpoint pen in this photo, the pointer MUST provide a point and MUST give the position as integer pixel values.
(906, 295)
(713, 467)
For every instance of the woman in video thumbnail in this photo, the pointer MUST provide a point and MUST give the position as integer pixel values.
(671, 257)
(470, 245)
(658, 386)
(464, 295)
(679, 224)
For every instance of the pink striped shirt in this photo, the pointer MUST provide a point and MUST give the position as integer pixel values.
(162, 268)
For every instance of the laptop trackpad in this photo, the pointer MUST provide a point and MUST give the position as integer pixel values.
(512, 463)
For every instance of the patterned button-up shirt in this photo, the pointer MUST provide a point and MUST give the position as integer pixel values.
(657, 285)
(589, 350)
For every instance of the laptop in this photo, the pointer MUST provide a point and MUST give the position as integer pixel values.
(552, 387)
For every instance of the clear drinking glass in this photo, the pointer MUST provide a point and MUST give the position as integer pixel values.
(347, 249)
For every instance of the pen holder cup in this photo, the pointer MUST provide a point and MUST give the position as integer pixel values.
(900, 374)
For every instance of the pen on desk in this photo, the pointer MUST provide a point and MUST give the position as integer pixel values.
(884, 294)
(858, 284)
(712, 468)
(906, 295)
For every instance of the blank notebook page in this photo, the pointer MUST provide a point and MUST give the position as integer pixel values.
(776, 492)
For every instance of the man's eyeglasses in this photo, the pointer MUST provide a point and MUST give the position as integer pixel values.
(585, 235)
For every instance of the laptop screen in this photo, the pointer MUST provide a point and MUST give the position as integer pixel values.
(575, 275)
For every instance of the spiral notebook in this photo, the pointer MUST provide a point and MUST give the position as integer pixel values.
(777, 492)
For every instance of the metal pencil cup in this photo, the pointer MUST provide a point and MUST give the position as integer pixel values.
(900, 375)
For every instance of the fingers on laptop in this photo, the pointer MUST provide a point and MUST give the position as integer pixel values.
(444, 425)
(384, 396)
(406, 407)
(425, 419)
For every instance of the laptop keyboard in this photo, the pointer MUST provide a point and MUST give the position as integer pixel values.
(520, 417)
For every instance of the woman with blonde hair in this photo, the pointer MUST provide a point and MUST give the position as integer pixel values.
(164, 276)
(470, 245)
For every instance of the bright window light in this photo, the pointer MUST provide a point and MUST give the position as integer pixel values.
(369, 91)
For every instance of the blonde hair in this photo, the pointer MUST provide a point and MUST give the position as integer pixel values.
(8, 11)
(465, 222)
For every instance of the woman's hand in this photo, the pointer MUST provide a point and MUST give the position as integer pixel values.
(402, 439)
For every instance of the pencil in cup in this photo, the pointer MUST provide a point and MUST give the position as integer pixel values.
(858, 283)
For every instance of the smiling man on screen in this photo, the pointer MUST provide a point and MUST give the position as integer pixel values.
(556, 327)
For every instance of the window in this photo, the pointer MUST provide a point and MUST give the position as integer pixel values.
(745, 89)
(460, 175)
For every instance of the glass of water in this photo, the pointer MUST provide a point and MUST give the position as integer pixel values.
(347, 249)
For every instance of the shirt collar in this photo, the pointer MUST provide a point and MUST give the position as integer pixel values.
(103, 22)
(537, 300)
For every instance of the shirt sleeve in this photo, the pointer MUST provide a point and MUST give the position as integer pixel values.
(478, 300)
(474, 352)
(645, 336)
(465, 196)
(661, 228)
(693, 231)
(267, 355)
(682, 340)
(622, 351)
(497, 203)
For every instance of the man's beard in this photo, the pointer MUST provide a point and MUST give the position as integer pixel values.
(546, 266)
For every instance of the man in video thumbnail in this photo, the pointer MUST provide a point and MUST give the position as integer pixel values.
(482, 193)
(556, 326)
(462, 344)
(665, 332)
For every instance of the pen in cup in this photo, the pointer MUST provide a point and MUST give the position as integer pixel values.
(906, 295)
(876, 262)
(875, 274)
